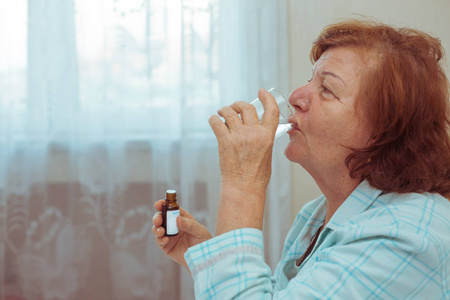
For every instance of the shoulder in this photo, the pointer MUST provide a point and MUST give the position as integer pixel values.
(421, 214)
(406, 223)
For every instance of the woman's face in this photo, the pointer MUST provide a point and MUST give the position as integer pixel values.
(327, 124)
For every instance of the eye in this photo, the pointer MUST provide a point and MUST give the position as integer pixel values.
(325, 89)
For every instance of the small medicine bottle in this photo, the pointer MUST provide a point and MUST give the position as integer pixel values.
(170, 211)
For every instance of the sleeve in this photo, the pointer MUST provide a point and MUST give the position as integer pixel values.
(230, 265)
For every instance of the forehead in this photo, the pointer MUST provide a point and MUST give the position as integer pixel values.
(341, 60)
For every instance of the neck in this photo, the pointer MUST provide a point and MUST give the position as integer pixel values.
(336, 190)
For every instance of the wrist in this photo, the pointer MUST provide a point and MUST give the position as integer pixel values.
(241, 206)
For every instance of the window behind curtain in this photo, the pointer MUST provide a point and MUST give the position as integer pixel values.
(156, 56)
(113, 66)
(13, 55)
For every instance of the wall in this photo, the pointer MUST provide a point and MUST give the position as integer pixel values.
(307, 18)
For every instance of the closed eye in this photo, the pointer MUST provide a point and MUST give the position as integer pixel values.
(326, 91)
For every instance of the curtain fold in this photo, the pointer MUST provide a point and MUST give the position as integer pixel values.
(103, 106)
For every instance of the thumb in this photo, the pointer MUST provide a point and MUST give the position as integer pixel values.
(191, 226)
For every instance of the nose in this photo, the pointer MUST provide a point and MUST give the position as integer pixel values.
(299, 98)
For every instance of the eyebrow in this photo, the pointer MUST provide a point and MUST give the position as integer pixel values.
(334, 75)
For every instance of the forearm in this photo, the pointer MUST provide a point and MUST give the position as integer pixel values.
(231, 265)
(241, 206)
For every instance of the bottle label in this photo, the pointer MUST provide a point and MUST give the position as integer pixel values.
(171, 219)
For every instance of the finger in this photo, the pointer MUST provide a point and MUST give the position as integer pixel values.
(157, 219)
(231, 117)
(271, 111)
(247, 112)
(185, 214)
(158, 231)
(191, 226)
(162, 241)
(158, 204)
(220, 129)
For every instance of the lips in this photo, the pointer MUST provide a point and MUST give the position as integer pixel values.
(293, 121)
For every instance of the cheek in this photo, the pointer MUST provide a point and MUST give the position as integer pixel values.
(331, 131)
(348, 134)
(324, 126)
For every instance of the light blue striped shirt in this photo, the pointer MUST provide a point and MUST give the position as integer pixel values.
(376, 246)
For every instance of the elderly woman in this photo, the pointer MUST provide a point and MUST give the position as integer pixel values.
(372, 129)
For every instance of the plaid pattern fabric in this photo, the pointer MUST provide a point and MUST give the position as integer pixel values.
(376, 246)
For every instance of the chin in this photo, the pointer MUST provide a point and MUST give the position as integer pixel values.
(296, 150)
(290, 151)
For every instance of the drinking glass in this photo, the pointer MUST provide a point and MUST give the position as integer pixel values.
(285, 111)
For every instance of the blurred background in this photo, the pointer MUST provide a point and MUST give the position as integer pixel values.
(104, 105)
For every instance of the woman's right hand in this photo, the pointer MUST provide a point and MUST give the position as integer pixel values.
(190, 233)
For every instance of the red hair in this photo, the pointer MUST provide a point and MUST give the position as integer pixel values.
(404, 95)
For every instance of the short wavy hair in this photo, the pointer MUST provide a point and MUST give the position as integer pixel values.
(405, 98)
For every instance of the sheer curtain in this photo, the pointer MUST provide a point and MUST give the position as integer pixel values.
(103, 106)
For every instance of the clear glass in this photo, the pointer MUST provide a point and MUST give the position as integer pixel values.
(285, 111)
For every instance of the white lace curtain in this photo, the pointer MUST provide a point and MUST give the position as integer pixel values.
(103, 106)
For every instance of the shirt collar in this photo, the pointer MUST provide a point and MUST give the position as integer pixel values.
(359, 200)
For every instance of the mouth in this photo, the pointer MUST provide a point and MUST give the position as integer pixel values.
(291, 120)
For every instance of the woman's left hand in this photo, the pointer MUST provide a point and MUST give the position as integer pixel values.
(245, 151)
